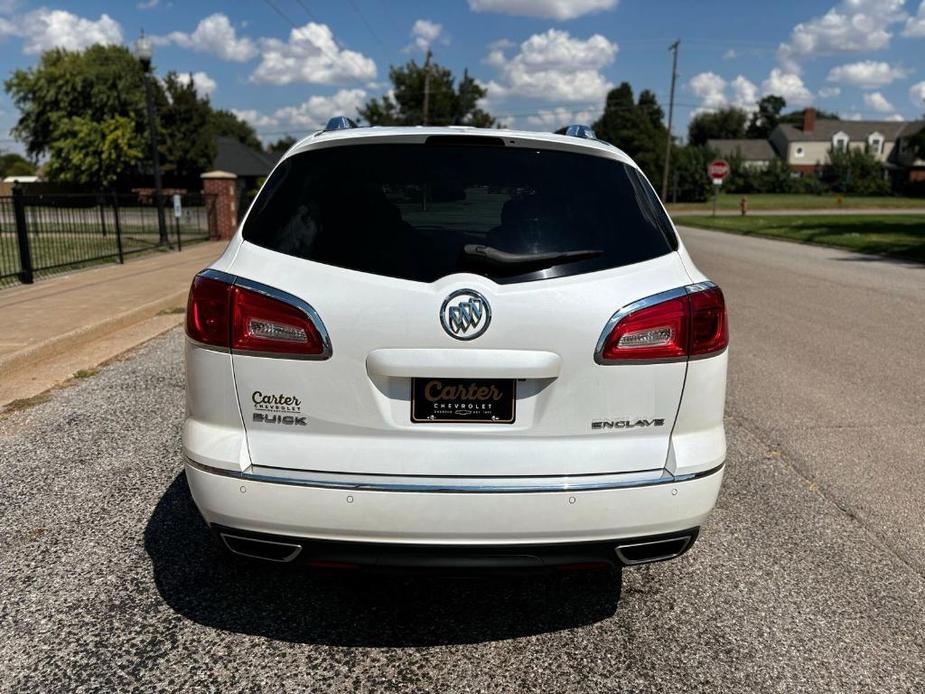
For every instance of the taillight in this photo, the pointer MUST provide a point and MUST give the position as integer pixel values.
(670, 327)
(246, 317)
(261, 323)
(207, 312)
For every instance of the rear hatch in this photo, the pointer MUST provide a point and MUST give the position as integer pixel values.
(464, 285)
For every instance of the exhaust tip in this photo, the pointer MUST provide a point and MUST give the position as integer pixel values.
(653, 550)
(261, 549)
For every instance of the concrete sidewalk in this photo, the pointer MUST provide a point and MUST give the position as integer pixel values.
(74, 322)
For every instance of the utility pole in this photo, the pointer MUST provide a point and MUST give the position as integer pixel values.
(674, 76)
(426, 87)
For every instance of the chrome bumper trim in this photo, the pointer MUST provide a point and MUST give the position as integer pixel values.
(480, 485)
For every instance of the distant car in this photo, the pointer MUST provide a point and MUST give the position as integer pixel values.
(431, 347)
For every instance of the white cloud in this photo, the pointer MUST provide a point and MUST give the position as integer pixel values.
(829, 92)
(915, 26)
(309, 115)
(424, 32)
(255, 118)
(315, 112)
(744, 93)
(148, 4)
(788, 85)
(710, 88)
(917, 94)
(310, 55)
(545, 9)
(553, 66)
(850, 26)
(553, 119)
(730, 54)
(43, 29)
(867, 73)
(897, 117)
(214, 34)
(204, 85)
(878, 102)
(852, 116)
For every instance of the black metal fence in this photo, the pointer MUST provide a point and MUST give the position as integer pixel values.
(44, 234)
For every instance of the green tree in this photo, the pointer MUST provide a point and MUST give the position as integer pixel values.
(724, 124)
(282, 144)
(448, 104)
(222, 122)
(93, 153)
(766, 118)
(187, 145)
(12, 164)
(98, 84)
(690, 173)
(636, 127)
(855, 171)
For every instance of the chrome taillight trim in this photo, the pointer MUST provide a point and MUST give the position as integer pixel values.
(646, 302)
(278, 295)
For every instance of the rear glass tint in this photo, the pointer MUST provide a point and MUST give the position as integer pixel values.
(423, 211)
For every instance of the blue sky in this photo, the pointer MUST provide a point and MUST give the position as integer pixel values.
(286, 65)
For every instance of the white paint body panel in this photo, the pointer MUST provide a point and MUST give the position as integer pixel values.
(384, 331)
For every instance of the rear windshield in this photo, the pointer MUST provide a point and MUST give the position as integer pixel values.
(423, 211)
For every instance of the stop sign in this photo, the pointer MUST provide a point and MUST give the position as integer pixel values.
(718, 169)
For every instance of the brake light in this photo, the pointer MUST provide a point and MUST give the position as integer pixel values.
(678, 327)
(247, 319)
(207, 317)
(261, 323)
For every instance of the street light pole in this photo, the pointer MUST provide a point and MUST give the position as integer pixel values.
(144, 50)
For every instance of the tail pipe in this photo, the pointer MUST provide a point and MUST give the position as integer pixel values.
(268, 550)
(656, 549)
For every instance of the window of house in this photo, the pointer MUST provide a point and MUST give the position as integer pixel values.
(799, 152)
(875, 143)
(840, 141)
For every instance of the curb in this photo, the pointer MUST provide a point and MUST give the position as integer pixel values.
(61, 343)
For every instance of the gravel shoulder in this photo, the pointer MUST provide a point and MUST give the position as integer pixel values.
(109, 581)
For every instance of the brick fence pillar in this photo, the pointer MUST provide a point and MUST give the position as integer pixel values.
(221, 184)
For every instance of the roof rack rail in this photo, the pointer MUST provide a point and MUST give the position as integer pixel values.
(577, 130)
(339, 123)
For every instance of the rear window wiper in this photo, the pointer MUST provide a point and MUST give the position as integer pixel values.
(494, 256)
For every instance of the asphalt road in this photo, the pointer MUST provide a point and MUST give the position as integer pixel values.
(809, 576)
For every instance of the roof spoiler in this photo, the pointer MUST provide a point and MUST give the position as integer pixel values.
(577, 130)
(339, 123)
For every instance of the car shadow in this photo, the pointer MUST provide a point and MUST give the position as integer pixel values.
(291, 603)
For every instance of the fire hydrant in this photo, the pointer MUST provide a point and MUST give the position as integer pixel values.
(743, 205)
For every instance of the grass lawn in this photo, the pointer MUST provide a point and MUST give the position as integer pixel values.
(897, 236)
(771, 201)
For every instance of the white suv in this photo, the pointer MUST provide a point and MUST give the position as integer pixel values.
(455, 347)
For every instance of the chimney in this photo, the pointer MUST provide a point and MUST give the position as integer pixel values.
(809, 120)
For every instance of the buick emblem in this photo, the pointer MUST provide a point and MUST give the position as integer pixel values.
(465, 314)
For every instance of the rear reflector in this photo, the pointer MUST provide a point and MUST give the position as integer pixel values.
(681, 325)
(247, 319)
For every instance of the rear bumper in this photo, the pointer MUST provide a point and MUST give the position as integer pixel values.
(444, 518)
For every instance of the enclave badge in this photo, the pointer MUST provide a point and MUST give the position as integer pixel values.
(465, 314)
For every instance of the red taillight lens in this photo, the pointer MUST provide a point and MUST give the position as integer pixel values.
(207, 312)
(709, 326)
(679, 327)
(261, 323)
(654, 332)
